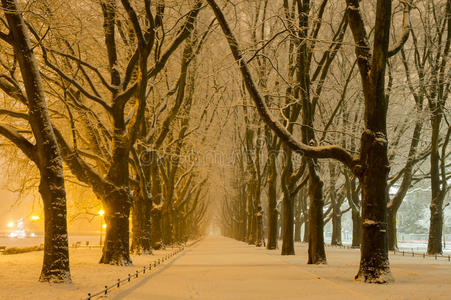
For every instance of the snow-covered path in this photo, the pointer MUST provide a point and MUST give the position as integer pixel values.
(221, 268)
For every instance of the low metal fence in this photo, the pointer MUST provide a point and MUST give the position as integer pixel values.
(421, 254)
(143, 270)
(403, 253)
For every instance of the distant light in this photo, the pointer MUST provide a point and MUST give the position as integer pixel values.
(32, 234)
(104, 225)
(101, 212)
(35, 218)
(10, 224)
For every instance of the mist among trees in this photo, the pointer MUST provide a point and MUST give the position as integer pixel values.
(270, 121)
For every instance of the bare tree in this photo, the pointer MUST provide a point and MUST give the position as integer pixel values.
(45, 152)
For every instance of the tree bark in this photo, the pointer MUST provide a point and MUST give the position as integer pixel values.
(259, 225)
(336, 208)
(47, 157)
(297, 231)
(272, 203)
(438, 195)
(316, 250)
(287, 227)
(287, 207)
(141, 238)
(156, 202)
(117, 211)
(336, 230)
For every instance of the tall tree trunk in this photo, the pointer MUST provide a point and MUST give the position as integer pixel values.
(438, 195)
(117, 212)
(272, 203)
(47, 157)
(354, 201)
(117, 204)
(316, 250)
(287, 207)
(141, 206)
(373, 168)
(336, 230)
(297, 230)
(336, 208)
(374, 265)
(287, 226)
(141, 238)
(437, 102)
(55, 267)
(259, 225)
(156, 202)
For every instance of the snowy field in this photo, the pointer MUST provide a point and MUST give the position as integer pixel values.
(19, 274)
(416, 246)
(34, 241)
(222, 268)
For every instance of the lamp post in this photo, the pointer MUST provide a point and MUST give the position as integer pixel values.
(101, 213)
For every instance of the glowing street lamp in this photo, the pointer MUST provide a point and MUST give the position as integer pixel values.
(10, 224)
(35, 218)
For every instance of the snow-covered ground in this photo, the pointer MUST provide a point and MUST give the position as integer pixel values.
(416, 246)
(19, 274)
(34, 241)
(222, 268)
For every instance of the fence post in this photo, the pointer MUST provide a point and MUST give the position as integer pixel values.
(118, 282)
(106, 289)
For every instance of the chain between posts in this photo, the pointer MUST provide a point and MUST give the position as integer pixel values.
(135, 275)
(404, 253)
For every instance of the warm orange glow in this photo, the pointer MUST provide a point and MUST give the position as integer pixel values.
(35, 218)
(10, 224)
(101, 212)
(104, 225)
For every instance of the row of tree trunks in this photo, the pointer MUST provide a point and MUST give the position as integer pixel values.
(372, 166)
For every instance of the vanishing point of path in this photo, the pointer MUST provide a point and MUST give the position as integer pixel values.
(221, 268)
